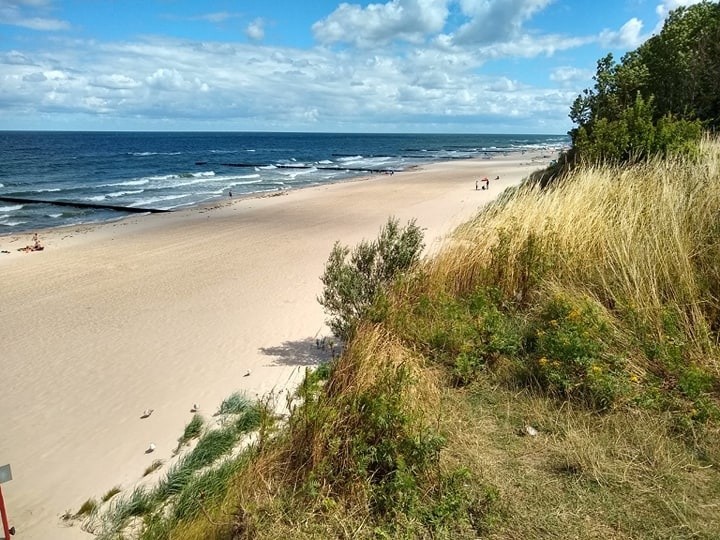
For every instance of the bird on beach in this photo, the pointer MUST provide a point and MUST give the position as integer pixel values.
(195, 408)
(146, 413)
(247, 373)
(150, 448)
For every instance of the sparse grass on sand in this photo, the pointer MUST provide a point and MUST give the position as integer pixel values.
(588, 312)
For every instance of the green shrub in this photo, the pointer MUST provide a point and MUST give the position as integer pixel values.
(235, 403)
(569, 347)
(353, 279)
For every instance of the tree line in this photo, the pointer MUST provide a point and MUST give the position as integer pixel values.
(659, 98)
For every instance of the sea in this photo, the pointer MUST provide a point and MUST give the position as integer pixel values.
(169, 171)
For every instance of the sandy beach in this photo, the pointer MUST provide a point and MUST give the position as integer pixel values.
(163, 311)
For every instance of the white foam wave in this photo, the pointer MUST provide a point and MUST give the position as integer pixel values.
(325, 162)
(140, 182)
(242, 177)
(47, 190)
(95, 198)
(121, 193)
(295, 174)
(11, 223)
(350, 158)
(12, 208)
(164, 177)
(55, 216)
(267, 167)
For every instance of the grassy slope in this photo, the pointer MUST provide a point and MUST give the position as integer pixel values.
(589, 312)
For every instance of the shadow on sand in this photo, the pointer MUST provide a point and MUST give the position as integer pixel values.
(305, 352)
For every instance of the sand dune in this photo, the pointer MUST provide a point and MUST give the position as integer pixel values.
(161, 313)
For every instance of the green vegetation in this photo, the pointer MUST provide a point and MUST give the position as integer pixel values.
(192, 431)
(588, 312)
(202, 475)
(154, 466)
(554, 372)
(110, 493)
(354, 279)
(86, 508)
(659, 95)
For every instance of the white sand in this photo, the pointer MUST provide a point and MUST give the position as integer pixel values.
(167, 310)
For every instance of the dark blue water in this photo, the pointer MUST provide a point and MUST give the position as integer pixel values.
(176, 170)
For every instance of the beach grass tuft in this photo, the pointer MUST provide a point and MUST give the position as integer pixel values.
(236, 403)
(154, 466)
(86, 508)
(200, 476)
(110, 493)
(192, 431)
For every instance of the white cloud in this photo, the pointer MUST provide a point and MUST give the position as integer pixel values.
(256, 30)
(528, 46)
(198, 84)
(18, 13)
(495, 21)
(495, 30)
(216, 17)
(628, 37)
(377, 24)
(115, 81)
(567, 75)
(14, 57)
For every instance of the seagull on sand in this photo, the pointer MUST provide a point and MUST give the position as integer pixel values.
(146, 413)
(150, 449)
(195, 408)
(247, 373)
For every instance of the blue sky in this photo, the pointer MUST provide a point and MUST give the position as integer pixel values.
(431, 66)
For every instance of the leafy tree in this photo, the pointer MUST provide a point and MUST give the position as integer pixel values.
(655, 100)
(353, 279)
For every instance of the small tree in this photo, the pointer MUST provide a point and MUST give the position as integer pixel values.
(353, 279)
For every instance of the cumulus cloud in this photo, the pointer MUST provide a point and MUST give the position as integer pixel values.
(256, 30)
(629, 36)
(28, 14)
(198, 82)
(377, 24)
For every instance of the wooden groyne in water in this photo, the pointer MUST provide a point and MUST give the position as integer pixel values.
(77, 204)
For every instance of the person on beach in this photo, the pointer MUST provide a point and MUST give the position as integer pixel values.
(486, 181)
(230, 194)
(476, 185)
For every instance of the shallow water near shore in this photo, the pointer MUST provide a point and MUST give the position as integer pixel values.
(175, 170)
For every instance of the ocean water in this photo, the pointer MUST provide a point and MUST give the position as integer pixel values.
(176, 170)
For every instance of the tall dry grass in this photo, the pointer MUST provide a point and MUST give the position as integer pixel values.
(643, 239)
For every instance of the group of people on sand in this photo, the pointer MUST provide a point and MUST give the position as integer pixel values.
(485, 183)
(35, 246)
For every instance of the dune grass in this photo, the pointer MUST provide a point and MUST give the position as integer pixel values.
(198, 476)
(588, 312)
